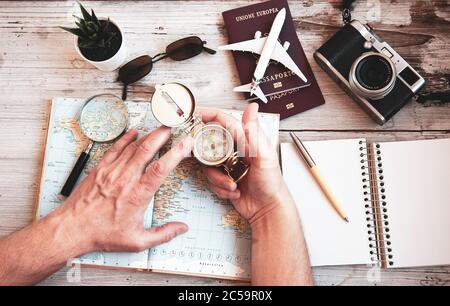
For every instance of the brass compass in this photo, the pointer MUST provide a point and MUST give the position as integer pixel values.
(173, 105)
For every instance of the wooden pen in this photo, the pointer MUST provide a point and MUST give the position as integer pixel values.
(316, 174)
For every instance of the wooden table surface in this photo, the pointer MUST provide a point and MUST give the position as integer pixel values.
(38, 61)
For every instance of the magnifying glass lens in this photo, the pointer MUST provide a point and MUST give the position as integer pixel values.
(104, 118)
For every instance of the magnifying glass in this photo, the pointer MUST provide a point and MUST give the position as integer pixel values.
(102, 118)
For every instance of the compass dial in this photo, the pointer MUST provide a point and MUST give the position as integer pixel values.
(213, 145)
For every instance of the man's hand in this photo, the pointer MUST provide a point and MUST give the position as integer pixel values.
(104, 213)
(279, 254)
(109, 205)
(263, 187)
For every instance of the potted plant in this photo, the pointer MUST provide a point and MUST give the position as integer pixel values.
(99, 41)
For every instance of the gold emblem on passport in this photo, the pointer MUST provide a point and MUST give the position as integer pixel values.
(290, 106)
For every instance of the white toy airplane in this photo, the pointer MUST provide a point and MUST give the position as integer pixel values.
(269, 48)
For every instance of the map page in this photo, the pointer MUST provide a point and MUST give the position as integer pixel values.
(218, 242)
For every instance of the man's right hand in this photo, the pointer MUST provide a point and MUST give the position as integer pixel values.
(279, 253)
(263, 187)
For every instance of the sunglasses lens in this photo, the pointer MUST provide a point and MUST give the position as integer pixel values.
(135, 70)
(185, 48)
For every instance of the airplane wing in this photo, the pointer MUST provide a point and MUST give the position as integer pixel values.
(248, 88)
(257, 45)
(253, 45)
(281, 56)
(259, 93)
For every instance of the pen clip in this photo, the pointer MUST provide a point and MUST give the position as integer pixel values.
(303, 151)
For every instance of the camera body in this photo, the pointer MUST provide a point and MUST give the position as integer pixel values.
(369, 70)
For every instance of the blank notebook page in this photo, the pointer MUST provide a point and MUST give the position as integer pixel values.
(331, 241)
(417, 189)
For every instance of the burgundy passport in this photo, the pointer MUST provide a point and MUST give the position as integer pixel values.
(288, 95)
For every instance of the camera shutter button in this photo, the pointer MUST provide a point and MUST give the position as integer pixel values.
(387, 53)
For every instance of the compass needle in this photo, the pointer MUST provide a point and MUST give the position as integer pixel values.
(174, 104)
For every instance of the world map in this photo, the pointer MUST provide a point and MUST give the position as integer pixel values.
(218, 242)
(103, 118)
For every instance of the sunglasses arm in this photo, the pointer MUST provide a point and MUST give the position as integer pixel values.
(124, 92)
(210, 51)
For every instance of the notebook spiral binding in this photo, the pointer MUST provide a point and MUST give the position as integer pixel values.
(375, 203)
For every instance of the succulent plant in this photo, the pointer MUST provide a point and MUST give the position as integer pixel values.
(94, 33)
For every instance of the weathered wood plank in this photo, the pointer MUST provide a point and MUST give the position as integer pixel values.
(343, 276)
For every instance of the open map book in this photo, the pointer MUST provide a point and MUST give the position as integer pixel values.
(218, 242)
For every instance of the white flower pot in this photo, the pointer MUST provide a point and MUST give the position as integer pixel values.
(112, 63)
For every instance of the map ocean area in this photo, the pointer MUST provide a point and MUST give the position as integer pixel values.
(218, 242)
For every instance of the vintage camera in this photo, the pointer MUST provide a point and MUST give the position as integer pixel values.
(369, 70)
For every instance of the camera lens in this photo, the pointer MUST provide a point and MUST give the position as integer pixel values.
(372, 76)
(374, 72)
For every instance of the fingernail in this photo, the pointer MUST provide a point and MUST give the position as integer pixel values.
(257, 106)
(185, 146)
(167, 128)
(183, 229)
(233, 186)
(133, 133)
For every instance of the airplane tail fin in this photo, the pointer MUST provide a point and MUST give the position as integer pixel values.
(226, 47)
(253, 91)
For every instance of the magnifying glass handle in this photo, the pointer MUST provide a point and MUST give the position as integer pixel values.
(76, 171)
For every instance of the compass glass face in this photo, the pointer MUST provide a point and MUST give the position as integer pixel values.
(213, 145)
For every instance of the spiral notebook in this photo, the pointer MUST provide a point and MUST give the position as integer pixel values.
(396, 195)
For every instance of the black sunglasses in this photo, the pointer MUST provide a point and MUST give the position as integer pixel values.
(178, 51)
